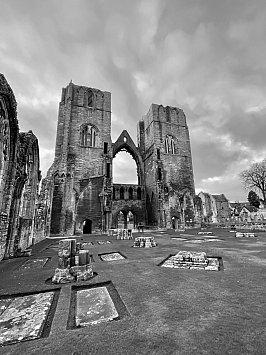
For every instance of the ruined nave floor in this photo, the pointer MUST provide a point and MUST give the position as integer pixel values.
(132, 305)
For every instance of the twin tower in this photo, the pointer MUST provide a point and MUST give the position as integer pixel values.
(79, 188)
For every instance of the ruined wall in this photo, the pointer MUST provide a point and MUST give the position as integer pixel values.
(8, 150)
(25, 194)
(129, 198)
(42, 220)
(19, 178)
(89, 205)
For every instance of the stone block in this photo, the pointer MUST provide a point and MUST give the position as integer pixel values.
(67, 247)
(62, 276)
(144, 242)
(84, 257)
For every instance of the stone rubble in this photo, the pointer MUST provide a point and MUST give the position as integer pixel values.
(124, 234)
(192, 260)
(245, 235)
(144, 242)
(74, 263)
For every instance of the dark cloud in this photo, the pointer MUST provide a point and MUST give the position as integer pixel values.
(207, 57)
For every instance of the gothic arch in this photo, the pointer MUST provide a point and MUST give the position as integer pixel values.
(124, 142)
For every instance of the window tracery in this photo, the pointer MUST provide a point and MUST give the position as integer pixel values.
(170, 145)
(88, 136)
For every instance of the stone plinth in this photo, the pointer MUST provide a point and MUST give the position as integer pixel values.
(192, 260)
(144, 242)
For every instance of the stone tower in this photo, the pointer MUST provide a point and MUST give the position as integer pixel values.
(164, 143)
(78, 193)
(81, 171)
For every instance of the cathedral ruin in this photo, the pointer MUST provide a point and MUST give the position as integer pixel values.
(79, 196)
(19, 178)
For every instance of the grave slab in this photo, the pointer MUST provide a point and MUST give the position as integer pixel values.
(103, 242)
(34, 263)
(178, 238)
(4, 303)
(94, 306)
(111, 256)
(87, 244)
(213, 240)
(23, 318)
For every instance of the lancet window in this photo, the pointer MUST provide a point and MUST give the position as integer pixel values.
(88, 136)
(170, 145)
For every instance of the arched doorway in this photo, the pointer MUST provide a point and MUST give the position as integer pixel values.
(87, 224)
(121, 221)
(175, 223)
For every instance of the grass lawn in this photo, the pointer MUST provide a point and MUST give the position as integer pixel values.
(169, 311)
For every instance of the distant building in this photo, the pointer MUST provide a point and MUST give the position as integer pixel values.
(215, 208)
(249, 214)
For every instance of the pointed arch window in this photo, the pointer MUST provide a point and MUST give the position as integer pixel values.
(90, 98)
(121, 193)
(130, 193)
(88, 136)
(139, 193)
(169, 145)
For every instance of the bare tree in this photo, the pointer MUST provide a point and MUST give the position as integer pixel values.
(255, 177)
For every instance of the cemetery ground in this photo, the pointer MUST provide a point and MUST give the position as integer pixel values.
(151, 309)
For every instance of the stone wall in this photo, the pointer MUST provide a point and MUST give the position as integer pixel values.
(19, 178)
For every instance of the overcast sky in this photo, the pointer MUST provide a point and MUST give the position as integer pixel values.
(207, 57)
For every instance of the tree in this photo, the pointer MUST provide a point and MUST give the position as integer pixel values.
(253, 199)
(255, 177)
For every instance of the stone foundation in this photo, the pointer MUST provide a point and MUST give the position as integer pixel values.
(192, 260)
(144, 242)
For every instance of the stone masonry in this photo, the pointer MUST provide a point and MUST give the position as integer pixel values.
(78, 195)
(19, 178)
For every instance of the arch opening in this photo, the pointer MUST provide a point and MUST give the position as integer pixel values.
(124, 168)
(87, 226)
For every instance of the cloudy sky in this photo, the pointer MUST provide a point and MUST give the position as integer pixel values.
(207, 57)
